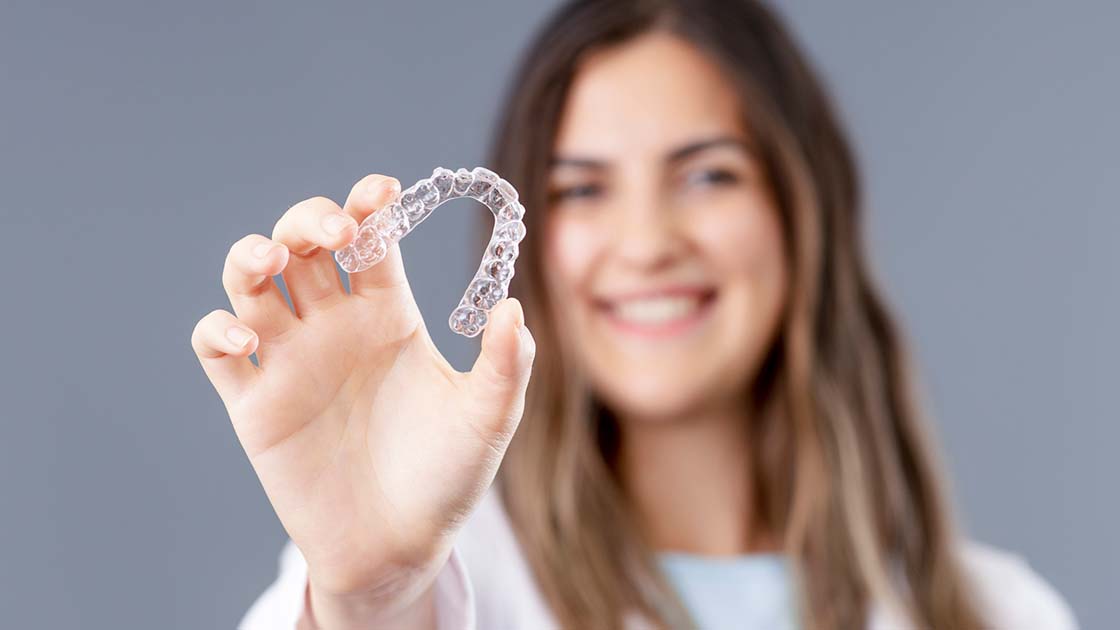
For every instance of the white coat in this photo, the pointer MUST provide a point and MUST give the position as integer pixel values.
(487, 585)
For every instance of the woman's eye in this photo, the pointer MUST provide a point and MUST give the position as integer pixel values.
(712, 176)
(573, 193)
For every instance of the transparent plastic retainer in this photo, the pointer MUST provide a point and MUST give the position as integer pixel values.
(391, 223)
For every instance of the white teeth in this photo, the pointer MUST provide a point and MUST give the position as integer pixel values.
(656, 310)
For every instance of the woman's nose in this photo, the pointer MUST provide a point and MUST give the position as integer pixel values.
(647, 235)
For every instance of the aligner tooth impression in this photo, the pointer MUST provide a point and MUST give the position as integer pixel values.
(393, 222)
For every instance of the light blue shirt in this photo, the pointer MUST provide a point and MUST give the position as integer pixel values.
(746, 592)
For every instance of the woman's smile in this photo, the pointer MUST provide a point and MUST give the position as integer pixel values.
(658, 313)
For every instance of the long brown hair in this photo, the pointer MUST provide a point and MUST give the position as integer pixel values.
(842, 466)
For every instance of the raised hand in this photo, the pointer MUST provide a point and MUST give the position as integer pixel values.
(370, 446)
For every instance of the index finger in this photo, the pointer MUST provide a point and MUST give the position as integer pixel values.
(369, 194)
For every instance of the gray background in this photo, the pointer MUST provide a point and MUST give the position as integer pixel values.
(138, 140)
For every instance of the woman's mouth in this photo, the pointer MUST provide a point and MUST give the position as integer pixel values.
(658, 314)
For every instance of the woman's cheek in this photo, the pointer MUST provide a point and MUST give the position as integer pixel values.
(740, 237)
(744, 248)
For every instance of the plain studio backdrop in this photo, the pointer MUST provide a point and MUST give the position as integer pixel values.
(139, 140)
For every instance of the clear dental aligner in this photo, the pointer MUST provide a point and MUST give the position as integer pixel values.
(390, 224)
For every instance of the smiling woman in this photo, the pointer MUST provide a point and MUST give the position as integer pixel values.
(720, 431)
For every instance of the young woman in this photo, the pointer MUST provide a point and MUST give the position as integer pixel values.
(720, 430)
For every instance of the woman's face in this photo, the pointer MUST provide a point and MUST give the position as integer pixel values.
(664, 249)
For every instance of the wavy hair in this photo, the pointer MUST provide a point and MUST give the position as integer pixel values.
(843, 468)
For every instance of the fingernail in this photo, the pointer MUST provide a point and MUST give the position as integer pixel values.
(261, 249)
(335, 223)
(239, 336)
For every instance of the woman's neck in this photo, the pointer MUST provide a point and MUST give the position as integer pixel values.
(690, 483)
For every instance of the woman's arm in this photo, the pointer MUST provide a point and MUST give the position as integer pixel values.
(285, 604)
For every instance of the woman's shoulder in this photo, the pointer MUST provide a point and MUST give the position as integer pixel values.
(1010, 593)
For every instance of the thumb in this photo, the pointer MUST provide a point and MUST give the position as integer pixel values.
(500, 375)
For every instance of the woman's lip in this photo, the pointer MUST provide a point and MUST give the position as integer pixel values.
(663, 329)
(701, 292)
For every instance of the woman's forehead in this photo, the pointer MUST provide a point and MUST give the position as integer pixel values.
(647, 96)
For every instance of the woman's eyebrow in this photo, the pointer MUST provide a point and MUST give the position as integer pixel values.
(676, 155)
(692, 148)
(577, 162)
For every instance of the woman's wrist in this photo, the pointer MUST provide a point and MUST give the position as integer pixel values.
(404, 602)
(413, 611)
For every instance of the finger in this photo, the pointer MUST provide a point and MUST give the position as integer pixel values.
(247, 278)
(387, 274)
(223, 345)
(306, 229)
(370, 193)
(500, 376)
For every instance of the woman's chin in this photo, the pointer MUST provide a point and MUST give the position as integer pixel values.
(653, 401)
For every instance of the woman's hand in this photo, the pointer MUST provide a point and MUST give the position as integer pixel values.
(370, 446)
